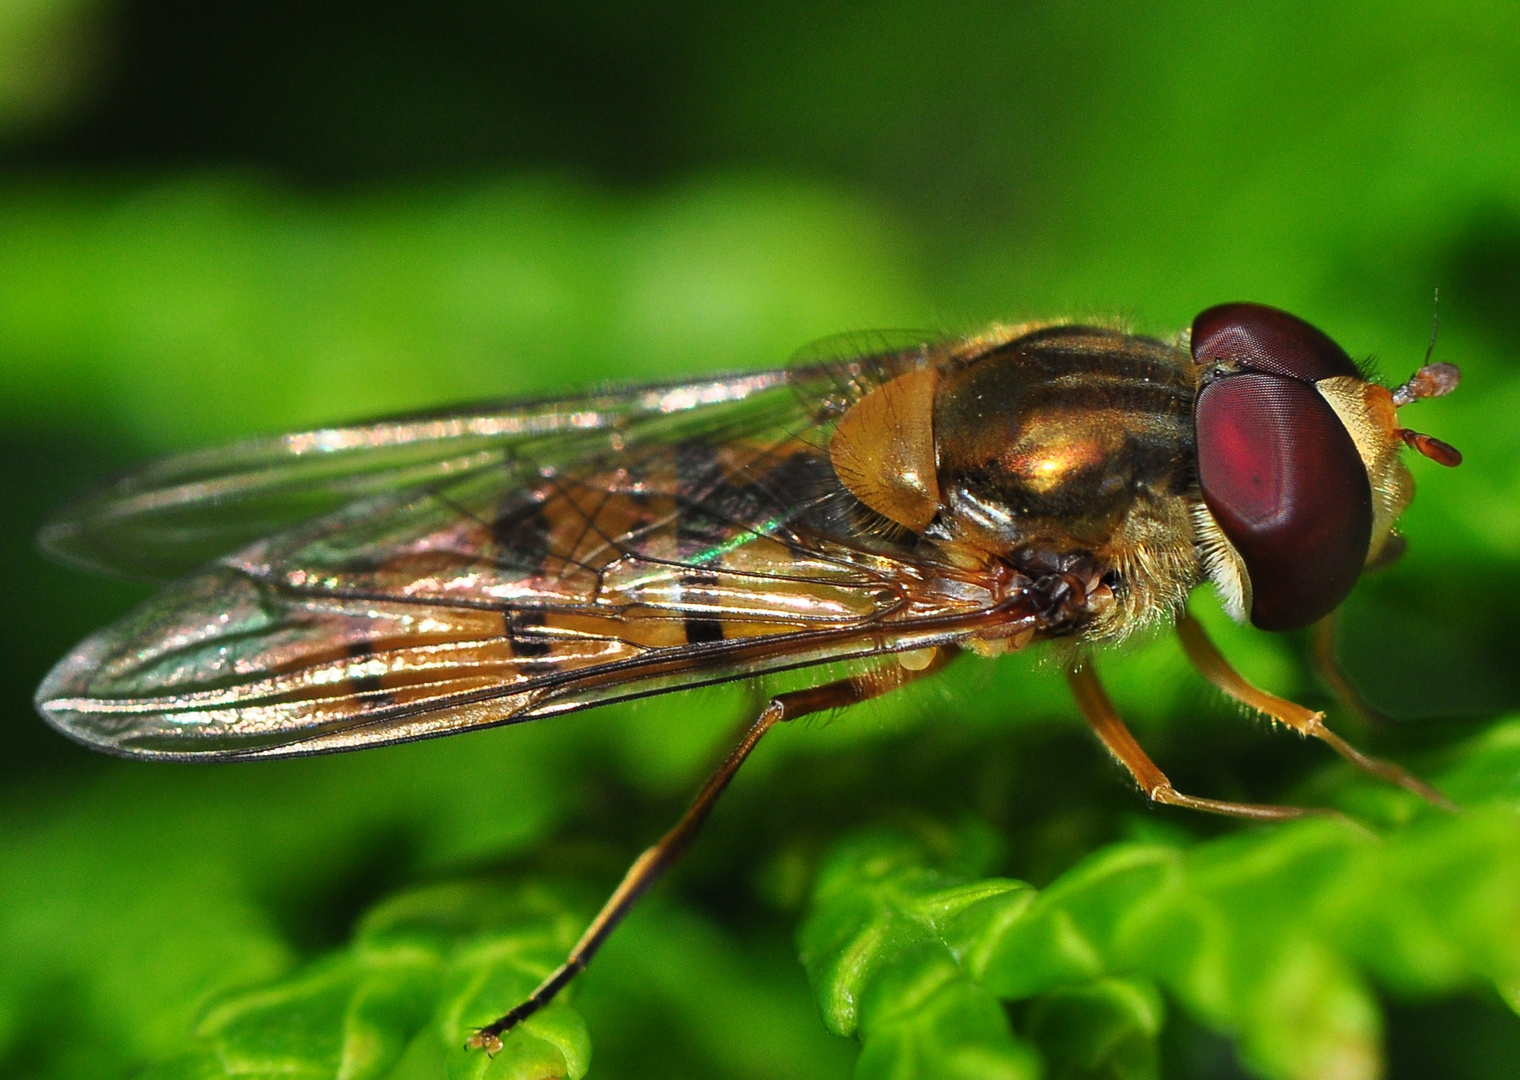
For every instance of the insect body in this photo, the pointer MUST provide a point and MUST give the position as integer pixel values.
(415, 577)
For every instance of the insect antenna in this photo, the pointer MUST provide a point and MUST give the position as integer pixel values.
(1442, 453)
(1431, 381)
(1435, 324)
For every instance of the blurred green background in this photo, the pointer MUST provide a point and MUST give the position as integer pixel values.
(218, 219)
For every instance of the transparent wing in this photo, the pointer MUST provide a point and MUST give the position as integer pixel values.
(176, 514)
(678, 547)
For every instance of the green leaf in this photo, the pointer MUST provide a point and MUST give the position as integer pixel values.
(883, 947)
(1105, 1029)
(424, 970)
(1271, 935)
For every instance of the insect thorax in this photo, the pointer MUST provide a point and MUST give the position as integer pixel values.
(1064, 446)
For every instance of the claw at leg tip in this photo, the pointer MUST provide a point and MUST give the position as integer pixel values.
(485, 1040)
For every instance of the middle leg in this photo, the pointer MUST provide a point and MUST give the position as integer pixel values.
(1214, 667)
(1104, 718)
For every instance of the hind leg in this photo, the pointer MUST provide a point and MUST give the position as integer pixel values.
(652, 864)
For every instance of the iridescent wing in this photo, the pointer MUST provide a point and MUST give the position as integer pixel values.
(683, 535)
(178, 513)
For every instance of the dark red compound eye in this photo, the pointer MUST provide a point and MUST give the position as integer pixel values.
(1278, 469)
(1263, 338)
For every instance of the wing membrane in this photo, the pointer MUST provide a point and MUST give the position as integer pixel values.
(314, 675)
(666, 545)
(176, 514)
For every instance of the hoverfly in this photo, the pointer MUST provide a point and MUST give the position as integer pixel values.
(382, 582)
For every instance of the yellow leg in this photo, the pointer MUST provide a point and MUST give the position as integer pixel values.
(1215, 668)
(1100, 713)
